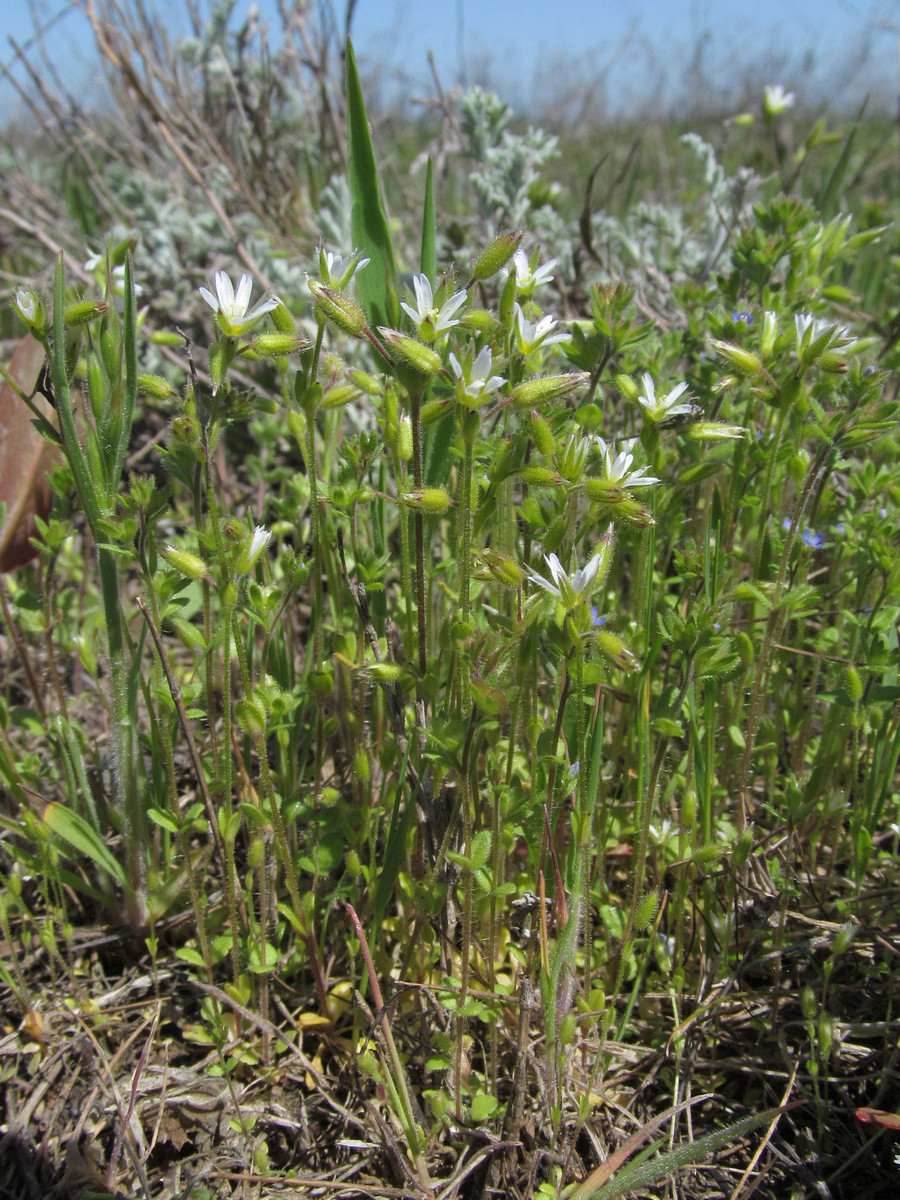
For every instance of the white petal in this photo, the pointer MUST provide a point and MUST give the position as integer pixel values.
(224, 291)
(242, 299)
(424, 294)
(482, 363)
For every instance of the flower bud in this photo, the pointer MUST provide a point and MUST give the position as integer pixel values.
(155, 386)
(826, 1035)
(339, 309)
(500, 567)
(282, 319)
(479, 320)
(341, 394)
(627, 387)
(768, 333)
(496, 255)
(604, 491)
(188, 564)
(844, 937)
(540, 477)
(854, 684)
(96, 382)
(743, 361)
(646, 911)
(543, 435)
(507, 308)
(277, 345)
(743, 847)
(251, 717)
(613, 648)
(713, 431)
(321, 682)
(433, 501)
(633, 513)
(416, 363)
(367, 383)
(745, 649)
(31, 312)
(296, 423)
(547, 388)
(84, 311)
(404, 440)
(435, 410)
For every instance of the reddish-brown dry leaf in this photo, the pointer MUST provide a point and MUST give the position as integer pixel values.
(25, 457)
(875, 1116)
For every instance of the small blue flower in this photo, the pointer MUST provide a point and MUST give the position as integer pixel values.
(840, 528)
(813, 539)
(882, 512)
(785, 522)
(869, 371)
(596, 619)
(744, 316)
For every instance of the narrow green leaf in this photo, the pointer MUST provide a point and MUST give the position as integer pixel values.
(826, 201)
(642, 1174)
(131, 374)
(87, 492)
(75, 830)
(377, 284)
(396, 841)
(428, 262)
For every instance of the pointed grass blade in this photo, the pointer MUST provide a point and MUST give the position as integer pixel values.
(428, 260)
(377, 284)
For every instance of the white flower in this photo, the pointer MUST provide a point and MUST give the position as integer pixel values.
(661, 408)
(474, 383)
(251, 553)
(230, 307)
(530, 337)
(429, 322)
(528, 281)
(776, 100)
(28, 305)
(567, 589)
(617, 471)
(337, 271)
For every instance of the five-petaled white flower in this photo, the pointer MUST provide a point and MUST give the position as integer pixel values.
(568, 589)
(776, 100)
(528, 280)
(429, 322)
(474, 382)
(531, 337)
(661, 408)
(336, 270)
(617, 471)
(230, 307)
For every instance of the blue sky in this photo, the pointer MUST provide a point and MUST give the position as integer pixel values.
(638, 50)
